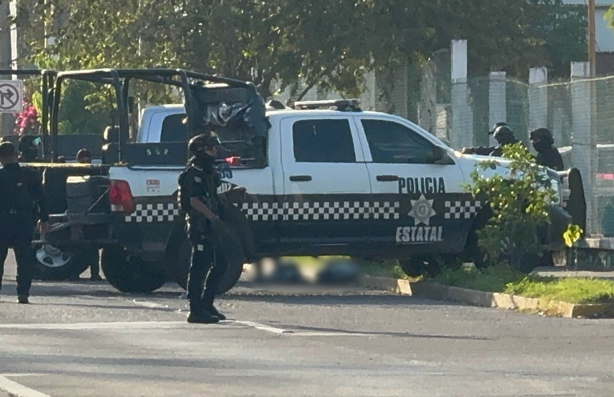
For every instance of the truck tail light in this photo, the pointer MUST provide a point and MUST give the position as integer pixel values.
(234, 161)
(120, 197)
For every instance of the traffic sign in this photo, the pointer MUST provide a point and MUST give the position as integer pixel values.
(11, 96)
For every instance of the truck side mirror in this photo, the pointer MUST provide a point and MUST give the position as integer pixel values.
(439, 156)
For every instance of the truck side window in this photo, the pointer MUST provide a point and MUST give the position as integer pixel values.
(392, 142)
(173, 129)
(323, 141)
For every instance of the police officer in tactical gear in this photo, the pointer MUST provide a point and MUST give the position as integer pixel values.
(547, 154)
(484, 150)
(504, 136)
(28, 146)
(198, 199)
(21, 205)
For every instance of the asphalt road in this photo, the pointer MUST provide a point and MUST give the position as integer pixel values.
(85, 339)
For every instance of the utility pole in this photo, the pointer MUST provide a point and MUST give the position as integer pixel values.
(593, 223)
(8, 121)
(592, 39)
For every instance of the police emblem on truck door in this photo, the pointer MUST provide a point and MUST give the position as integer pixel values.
(422, 231)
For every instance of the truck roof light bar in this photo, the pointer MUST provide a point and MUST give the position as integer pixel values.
(352, 105)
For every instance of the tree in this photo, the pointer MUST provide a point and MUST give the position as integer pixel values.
(325, 43)
(511, 35)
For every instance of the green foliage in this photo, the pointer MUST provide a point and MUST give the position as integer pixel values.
(81, 111)
(504, 279)
(573, 290)
(511, 35)
(572, 234)
(491, 279)
(383, 269)
(322, 42)
(519, 202)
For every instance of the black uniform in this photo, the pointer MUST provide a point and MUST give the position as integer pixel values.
(547, 155)
(498, 151)
(485, 150)
(201, 181)
(551, 158)
(480, 150)
(21, 205)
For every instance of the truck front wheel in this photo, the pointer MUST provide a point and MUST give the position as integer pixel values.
(429, 265)
(131, 274)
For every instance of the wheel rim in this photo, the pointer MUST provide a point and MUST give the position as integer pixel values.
(52, 257)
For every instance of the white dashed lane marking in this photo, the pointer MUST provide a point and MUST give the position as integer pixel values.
(264, 327)
(17, 389)
(109, 325)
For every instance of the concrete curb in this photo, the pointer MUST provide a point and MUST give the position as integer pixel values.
(398, 286)
(512, 302)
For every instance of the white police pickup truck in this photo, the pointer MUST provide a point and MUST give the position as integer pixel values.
(329, 180)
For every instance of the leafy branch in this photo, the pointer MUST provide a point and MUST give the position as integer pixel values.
(520, 201)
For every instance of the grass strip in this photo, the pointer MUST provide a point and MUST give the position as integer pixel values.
(503, 279)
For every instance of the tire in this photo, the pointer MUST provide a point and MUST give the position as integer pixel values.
(477, 256)
(180, 256)
(234, 269)
(238, 224)
(517, 258)
(130, 274)
(421, 266)
(57, 265)
(181, 252)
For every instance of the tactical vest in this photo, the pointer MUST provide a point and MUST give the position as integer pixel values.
(15, 190)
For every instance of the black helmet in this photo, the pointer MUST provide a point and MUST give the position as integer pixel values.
(542, 134)
(504, 135)
(497, 125)
(200, 142)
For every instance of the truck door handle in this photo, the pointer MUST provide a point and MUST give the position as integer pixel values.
(387, 178)
(300, 178)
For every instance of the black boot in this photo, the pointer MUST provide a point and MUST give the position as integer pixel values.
(202, 318)
(216, 313)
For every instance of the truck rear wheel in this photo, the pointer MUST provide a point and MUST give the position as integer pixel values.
(131, 274)
(55, 264)
(181, 250)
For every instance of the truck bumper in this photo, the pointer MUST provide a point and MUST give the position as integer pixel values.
(72, 231)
